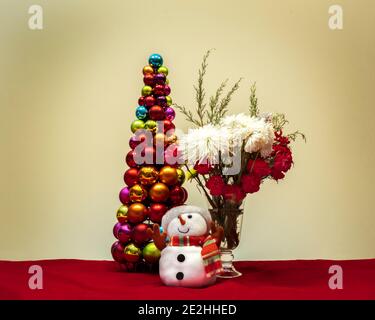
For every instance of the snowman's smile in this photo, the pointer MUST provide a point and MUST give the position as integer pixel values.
(186, 231)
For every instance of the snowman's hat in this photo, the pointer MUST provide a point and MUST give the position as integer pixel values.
(176, 211)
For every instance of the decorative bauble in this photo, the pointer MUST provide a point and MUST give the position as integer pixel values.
(159, 90)
(131, 177)
(190, 174)
(167, 90)
(159, 78)
(130, 159)
(137, 193)
(168, 126)
(164, 70)
(149, 101)
(146, 90)
(156, 113)
(136, 125)
(156, 211)
(140, 235)
(137, 213)
(148, 70)
(141, 112)
(169, 113)
(169, 100)
(151, 125)
(167, 81)
(148, 175)
(122, 214)
(161, 101)
(159, 192)
(168, 175)
(149, 79)
(117, 251)
(124, 196)
(173, 155)
(155, 60)
(132, 253)
(177, 196)
(151, 253)
(160, 139)
(180, 175)
(149, 154)
(124, 233)
(137, 139)
(171, 138)
(141, 101)
(116, 228)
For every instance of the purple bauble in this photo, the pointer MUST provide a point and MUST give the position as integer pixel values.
(159, 78)
(161, 101)
(116, 229)
(124, 196)
(124, 233)
(167, 90)
(169, 113)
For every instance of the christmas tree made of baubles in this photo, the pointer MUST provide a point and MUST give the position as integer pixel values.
(152, 186)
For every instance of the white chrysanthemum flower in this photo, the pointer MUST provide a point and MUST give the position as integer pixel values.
(261, 139)
(239, 125)
(204, 144)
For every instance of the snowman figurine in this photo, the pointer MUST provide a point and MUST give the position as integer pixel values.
(189, 247)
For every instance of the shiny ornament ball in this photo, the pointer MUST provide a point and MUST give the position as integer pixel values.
(131, 177)
(124, 196)
(161, 101)
(116, 228)
(137, 213)
(124, 233)
(159, 78)
(151, 253)
(137, 193)
(155, 60)
(149, 79)
(169, 113)
(151, 125)
(148, 175)
(156, 113)
(117, 251)
(171, 138)
(132, 253)
(167, 90)
(141, 112)
(159, 90)
(180, 175)
(139, 137)
(140, 235)
(136, 125)
(159, 192)
(169, 100)
(168, 126)
(190, 174)
(178, 195)
(148, 70)
(156, 211)
(130, 159)
(149, 156)
(163, 70)
(149, 101)
(141, 101)
(168, 175)
(122, 214)
(146, 90)
(172, 155)
(160, 139)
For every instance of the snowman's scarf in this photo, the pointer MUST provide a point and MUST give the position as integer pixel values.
(210, 252)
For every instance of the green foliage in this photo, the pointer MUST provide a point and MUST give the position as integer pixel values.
(254, 110)
(293, 136)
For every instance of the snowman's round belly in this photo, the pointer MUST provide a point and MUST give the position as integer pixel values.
(183, 266)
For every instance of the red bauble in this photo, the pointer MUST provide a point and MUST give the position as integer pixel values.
(136, 139)
(178, 195)
(140, 235)
(117, 251)
(149, 156)
(148, 79)
(141, 101)
(130, 159)
(168, 126)
(167, 90)
(149, 101)
(131, 177)
(156, 113)
(159, 90)
(156, 211)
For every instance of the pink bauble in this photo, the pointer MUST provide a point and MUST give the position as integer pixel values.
(116, 228)
(125, 196)
(169, 113)
(124, 233)
(167, 90)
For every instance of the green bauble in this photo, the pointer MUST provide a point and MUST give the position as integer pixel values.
(150, 125)
(146, 90)
(151, 254)
(163, 70)
(137, 124)
(169, 100)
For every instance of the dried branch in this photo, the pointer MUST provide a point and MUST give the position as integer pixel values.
(293, 136)
(188, 114)
(214, 100)
(254, 109)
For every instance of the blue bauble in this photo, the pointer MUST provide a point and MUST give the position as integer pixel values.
(141, 112)
(155, 60)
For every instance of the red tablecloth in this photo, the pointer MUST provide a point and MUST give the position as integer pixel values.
(78, 279)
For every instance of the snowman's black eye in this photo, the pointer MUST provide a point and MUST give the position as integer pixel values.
(190, 216)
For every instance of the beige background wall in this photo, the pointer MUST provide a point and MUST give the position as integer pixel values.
(68, 95)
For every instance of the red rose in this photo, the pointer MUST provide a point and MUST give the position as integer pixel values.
(276, 174)
(283, 162)
(203, 168)
(250, 183)
(258, 168)
(233, 193)
(216, 185)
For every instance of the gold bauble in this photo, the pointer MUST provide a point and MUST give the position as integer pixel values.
(122, 214)
(132, 253)
(190, 174)
(148, 175)
(181, 176)
(159, 192)
(137, 193)
(136, 213)
(168, 175)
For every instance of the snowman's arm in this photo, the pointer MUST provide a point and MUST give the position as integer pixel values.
(159, 239)
(217, 232)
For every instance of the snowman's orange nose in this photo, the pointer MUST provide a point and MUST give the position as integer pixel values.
(182, 221)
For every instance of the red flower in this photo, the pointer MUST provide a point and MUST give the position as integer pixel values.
(280, 138)
(276, 174)
(233, 193)
(203, 168)
(250, 183)
(283, 162)
(258, 168)
(216, 185)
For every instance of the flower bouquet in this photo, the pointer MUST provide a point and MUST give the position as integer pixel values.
(230, 156)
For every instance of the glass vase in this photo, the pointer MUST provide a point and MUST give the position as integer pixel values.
(230, 218)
